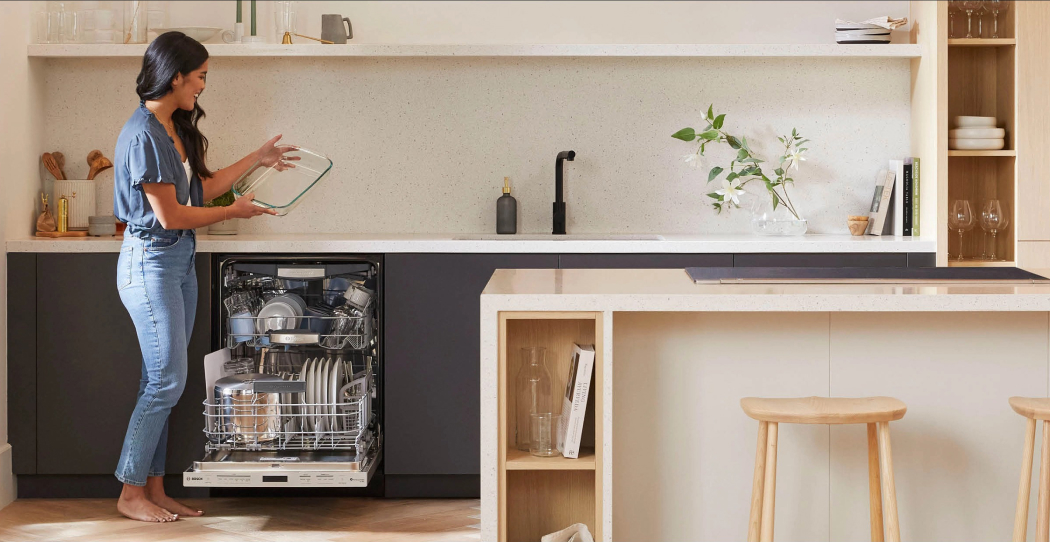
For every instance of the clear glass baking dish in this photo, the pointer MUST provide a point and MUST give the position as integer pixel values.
(282, 190)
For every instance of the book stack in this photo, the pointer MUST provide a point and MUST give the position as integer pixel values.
(976, 134)
(895, 205)
(871, 31)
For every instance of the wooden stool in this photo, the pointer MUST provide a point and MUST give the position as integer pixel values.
(877, 412)
(1033, 409)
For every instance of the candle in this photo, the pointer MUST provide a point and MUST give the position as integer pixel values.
(253, 17)
(238, 10)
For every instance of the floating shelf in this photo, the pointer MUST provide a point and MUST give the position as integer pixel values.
(979, 263)
(982, 42)
(519, 460)
(1004, 152)
(523, 50)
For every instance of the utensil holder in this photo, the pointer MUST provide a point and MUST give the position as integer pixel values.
(81, 196)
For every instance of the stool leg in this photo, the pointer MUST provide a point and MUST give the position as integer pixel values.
(769, 488)
(754, 524)
(1043, 515)
(874, 484)
(1025, 492)
(889, 488)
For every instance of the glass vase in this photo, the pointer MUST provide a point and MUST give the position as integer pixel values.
(532, 394)
(135, 21)
(765, 220)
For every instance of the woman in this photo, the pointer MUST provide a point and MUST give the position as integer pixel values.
(160, 185)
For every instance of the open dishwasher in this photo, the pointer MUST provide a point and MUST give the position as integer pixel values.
(293, 390)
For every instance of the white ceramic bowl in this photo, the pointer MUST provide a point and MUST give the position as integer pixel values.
(974, 122)
(977, 133)
(976, 144)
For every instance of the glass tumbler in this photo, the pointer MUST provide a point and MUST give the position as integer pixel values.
(135, 22)
(284, 15)
(532, 394)
(542, 431)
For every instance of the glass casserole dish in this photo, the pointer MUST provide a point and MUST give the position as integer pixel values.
(283, 189)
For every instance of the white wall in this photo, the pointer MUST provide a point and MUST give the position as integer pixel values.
(19, 178)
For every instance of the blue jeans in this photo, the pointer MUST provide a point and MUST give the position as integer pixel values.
(158, 285)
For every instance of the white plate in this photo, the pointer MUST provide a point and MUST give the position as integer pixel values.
(335, 382)
(321, 391)
(199, 33)
(277, 315)
(301, 418)
(976, 144)
(977, 133)
(974, 122)
(308, 411)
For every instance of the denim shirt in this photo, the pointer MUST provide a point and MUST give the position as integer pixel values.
(146, 154)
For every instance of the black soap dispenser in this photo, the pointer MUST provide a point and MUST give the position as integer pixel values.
(506, 210)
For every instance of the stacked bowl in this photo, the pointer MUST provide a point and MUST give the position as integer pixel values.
(976, 134)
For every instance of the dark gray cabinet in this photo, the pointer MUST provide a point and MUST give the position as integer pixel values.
(432, 348)
(80, 374)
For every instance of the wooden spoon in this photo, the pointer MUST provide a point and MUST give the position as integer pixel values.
(51, 164)
(61, 160)
(98, 163)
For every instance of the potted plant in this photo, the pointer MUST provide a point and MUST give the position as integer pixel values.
(777, 215)
(226, 227)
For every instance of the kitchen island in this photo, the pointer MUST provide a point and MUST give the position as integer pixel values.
(673, 452)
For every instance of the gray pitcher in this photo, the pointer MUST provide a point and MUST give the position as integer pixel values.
(332, 28)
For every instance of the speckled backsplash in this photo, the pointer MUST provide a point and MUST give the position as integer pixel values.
(422, 145)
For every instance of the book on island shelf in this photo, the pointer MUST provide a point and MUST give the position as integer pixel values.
(574, 404)
(880, 203)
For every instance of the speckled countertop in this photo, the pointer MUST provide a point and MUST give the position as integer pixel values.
(379, 243)
(673, 290)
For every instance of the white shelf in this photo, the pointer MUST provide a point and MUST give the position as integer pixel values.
(524, 50)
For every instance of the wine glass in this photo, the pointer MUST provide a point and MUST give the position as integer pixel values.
(996, 7)
(970, 6)
(953, 6)
(994, 218)
(961, 219)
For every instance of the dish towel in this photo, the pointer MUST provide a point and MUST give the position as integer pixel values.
(576, 532)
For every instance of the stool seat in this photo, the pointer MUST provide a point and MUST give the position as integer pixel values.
(1036, 408)
(827, 410)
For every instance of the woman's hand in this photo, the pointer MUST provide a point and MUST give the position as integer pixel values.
(244, 208)
(272, 155)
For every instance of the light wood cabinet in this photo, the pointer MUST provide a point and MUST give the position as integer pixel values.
(540, 495)
(1032, 128)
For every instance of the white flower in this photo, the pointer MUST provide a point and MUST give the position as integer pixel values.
(794, 158)
(693, 159)
(730, 191)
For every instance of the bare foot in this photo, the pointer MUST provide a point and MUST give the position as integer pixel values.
(138, 507)
(167, 503)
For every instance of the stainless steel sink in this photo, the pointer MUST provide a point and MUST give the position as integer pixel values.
(569, 237)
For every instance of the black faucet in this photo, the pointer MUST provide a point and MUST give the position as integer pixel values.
(559, 201)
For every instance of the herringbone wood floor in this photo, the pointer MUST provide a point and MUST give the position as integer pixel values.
(247, 520)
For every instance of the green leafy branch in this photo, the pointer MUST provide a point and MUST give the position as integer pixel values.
(749, 164)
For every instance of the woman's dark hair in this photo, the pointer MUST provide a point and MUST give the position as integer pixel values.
(174, 53)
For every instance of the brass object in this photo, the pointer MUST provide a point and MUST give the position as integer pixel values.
(45, 222)
(287, 40)
(307, 37)
(63, 214)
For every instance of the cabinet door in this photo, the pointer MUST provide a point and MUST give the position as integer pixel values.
(432, 347)
(1032, 137)
(21, 361)
(89, 365)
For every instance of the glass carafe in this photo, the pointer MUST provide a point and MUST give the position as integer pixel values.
(532, 393)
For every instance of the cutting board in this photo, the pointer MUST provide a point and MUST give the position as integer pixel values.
(53, 234)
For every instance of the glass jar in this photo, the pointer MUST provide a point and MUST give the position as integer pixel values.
(284, 15)
(765, 220)
(157, 18)
(135, 21)
(532, 394)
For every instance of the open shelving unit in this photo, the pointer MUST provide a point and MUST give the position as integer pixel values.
(981, 75)
(540, 495)
(658, 50)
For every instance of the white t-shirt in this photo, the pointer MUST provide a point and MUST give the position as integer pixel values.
(189, 175)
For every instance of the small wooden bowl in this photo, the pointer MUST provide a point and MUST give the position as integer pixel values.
(857, 224)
